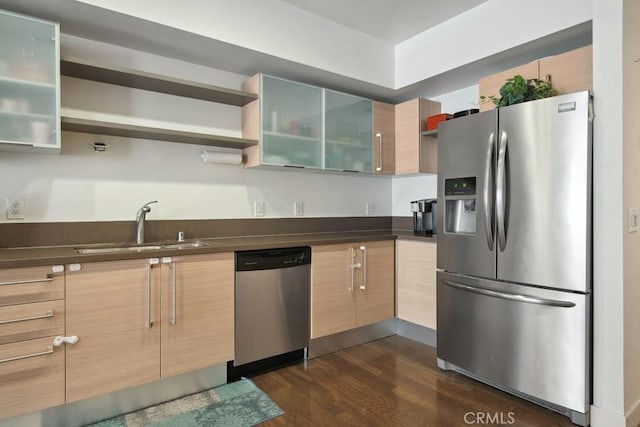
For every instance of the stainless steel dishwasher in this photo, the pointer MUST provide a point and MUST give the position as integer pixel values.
(273, 300)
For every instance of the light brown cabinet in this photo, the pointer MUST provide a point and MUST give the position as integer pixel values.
(415, 153)
(416, 267)
(197, 312)
(352, 285)
(32, 370)
(172, 317)
(113, 308)
(568, 72)
(22, 285)
(384, 134)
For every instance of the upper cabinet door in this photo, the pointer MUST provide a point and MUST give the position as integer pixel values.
(29, 83)
(291, 123)
(384, 137)
(348, 132)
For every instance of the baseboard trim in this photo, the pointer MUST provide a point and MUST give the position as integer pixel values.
(332, 343)
(422, 334)
(123, 401)
(601, 417)
(633, 416)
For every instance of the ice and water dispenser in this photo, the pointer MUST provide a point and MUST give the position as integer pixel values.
(460, 205)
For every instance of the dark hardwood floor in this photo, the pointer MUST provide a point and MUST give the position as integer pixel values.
(391, 382)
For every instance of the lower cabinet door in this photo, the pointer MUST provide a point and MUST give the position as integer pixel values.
(333, 292)
(31, 376)
(375, 282)
(417, 282)
(197, 312)
(113, 308)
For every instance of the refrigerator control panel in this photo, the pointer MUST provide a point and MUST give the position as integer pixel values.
(460, 186)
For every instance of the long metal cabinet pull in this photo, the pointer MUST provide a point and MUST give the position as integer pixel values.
(149, 321)
(49, 278)
(379, 167)
(352, 265)
(501, 188)
(487, 194)
(511, 297)
(47, 315)
(172, 319)
(363, 286)
(26, 356)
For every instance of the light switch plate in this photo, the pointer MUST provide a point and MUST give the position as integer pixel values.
(633, 220)
(258, 209)
(297, 208)
(370, 208)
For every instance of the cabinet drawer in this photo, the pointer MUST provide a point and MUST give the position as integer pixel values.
(23, 285)
(28, 321)
(30, 383)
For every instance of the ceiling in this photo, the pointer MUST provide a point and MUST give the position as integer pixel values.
(390, 20)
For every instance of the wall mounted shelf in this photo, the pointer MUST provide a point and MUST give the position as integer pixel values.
(90, 70)
(431, 133)
(106, 124)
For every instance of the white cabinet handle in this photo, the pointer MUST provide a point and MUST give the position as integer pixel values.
(363, 286)
(59, 340)
(24, 319)
(26, 356)
(49, 278)
(379, 167)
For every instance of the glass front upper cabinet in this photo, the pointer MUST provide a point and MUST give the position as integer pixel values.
(29, 83)
(348, 132)
(291, 123)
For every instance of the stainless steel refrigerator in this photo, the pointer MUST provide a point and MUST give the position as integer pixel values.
(514, 250)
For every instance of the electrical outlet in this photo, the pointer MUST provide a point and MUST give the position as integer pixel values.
(258, 209)
(297, 208)
(15, 208)
(633, 220)
(370, 208)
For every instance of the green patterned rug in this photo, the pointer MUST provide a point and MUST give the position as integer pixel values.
(236, 404)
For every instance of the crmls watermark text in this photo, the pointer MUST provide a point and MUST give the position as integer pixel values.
(490, 418)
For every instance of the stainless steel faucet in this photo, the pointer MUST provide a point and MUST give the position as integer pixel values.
(140, 217)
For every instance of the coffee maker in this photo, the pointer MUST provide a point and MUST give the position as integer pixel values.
(425, 214)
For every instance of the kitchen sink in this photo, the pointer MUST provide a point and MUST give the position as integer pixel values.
(141, 248)
(183, 245)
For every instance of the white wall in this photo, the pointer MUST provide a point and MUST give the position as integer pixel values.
(608, 221)
(490, 28)
(81, 184)
(272, 27)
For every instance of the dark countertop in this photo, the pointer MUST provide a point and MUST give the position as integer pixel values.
(408, 235)
(36, 256)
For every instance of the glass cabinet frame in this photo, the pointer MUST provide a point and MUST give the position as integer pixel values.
(29, 85)
(312, 125)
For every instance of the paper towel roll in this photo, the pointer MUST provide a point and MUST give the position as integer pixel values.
(224, 158)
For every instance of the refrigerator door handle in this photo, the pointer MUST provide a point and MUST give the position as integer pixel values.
(501, 190)
(488, 192)
(512, 297)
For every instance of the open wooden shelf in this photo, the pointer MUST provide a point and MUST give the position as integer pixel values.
(90, 70)
(104, 124)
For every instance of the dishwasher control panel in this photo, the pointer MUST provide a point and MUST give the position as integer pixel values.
(268, 259)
